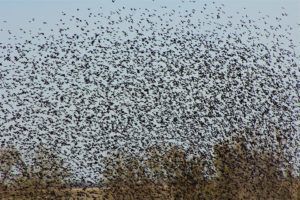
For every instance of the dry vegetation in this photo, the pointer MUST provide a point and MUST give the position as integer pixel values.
(240, 172)
(45, 177)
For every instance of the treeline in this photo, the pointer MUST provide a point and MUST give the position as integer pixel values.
(238, 170)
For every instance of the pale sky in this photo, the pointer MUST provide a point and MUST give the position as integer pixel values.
(17, 13)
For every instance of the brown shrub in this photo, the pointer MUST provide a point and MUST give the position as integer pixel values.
(244, 173)
(168, 175)
(42, 179)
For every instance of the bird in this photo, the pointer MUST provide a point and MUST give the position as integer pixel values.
(125, 79)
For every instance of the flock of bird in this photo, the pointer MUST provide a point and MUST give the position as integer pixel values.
(133, 77)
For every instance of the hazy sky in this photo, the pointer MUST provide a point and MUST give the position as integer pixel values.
(15, 14)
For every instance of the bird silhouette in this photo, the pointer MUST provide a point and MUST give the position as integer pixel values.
(131, 77)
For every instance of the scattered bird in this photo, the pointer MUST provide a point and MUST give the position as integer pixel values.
(130, 78)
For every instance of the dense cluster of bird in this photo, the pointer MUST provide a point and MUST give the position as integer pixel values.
(132, 77)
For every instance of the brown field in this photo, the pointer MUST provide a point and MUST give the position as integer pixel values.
(52, 193)
(101, 194)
